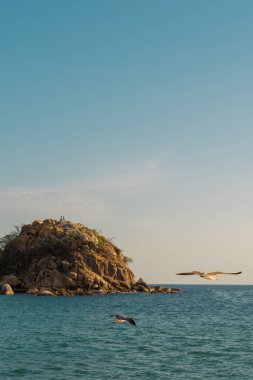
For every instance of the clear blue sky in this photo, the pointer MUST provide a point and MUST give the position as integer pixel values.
(134, 117)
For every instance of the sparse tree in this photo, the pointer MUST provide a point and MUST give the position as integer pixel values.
(9, 237)
(128, 260)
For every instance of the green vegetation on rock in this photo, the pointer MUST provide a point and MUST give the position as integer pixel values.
(53, 254)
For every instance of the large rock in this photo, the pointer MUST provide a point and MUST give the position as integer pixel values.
(6, 289)
(45, 293)
(65, 257)
(32, 291)
(141, 286)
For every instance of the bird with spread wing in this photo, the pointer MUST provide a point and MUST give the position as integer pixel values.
(208, 276)
(120, 319)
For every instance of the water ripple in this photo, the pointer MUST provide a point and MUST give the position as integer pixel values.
(205, 333)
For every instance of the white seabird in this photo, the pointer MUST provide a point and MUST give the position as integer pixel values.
(121, 319)
(208, 276)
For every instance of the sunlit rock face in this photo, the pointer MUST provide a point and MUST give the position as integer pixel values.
(65, 257)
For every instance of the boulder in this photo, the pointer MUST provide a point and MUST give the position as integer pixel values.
(98, 291)
(32, 291)
(165, 290)
(141, 286)
(175, 290)
(45, 293)
(6, 289)
(70, 283)
(157, 289)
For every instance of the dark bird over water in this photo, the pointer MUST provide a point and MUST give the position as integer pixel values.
(121, 319)
(208, 276)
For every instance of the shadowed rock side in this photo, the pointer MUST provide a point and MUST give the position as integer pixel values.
(65, 258)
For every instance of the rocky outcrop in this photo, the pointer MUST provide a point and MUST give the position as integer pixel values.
(64, 258)
(53, 257)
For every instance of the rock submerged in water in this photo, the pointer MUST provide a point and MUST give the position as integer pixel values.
(53, 257)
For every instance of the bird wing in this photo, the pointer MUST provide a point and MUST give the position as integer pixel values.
(189, 273)
(120, 317)
(215, 273)
(131, 320)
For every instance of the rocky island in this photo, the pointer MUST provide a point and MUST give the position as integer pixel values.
(53, 257)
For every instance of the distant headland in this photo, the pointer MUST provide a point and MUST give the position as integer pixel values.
(59, 257)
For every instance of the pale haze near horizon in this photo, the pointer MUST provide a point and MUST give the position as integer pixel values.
(133, 118)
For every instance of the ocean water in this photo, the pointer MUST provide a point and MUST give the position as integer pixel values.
(203, 333)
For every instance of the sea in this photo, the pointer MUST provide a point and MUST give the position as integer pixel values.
(205, 332)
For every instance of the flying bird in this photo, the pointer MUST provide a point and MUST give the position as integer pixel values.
(120, 319)
(208, 276)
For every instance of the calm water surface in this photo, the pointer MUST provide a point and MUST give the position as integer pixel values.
(203, 333)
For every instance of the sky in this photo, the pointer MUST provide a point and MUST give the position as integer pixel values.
(134, 118)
